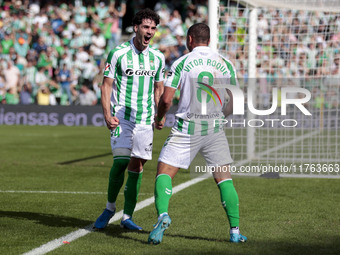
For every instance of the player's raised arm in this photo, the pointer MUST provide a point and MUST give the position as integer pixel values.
(167, 95)
(106, 91)
(164, 106)
(158, 91)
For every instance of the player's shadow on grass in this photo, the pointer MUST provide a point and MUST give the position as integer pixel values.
(332, 246)
(198, 238)
(51, 220)
(83, 159)
(116, 231)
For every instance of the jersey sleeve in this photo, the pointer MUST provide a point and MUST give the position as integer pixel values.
(233, 76)
(110, 66)
(161, 69)
(174, 75)
(232, 72)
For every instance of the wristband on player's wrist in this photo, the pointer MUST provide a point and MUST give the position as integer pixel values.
(159, 119)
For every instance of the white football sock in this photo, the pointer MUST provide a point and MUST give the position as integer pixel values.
(125, 216)
(235, 230)
(111, 206)
(160, 216)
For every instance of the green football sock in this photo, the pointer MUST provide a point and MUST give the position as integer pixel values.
(230, 202)
(116, 178)
(163, 191)
(131, 191)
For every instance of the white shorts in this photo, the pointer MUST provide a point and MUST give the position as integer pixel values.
(136, 137)
(180, 149)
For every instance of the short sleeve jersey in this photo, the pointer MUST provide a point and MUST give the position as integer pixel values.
(134, 73)
(201, 75)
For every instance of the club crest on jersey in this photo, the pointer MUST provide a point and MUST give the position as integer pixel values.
(152, 64)
(131, 72)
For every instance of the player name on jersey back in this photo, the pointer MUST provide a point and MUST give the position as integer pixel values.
(199, 75)
(207, 62)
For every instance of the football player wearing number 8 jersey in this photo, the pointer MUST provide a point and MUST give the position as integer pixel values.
(132, 85)
(198, 74)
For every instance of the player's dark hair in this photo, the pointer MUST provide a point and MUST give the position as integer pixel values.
(200, 33)
(145, 14)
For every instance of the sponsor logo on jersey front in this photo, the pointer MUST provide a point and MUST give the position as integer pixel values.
(190, 115)
(131, 72)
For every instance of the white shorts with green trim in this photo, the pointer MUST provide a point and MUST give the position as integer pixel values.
(180, 149)
(136, 137)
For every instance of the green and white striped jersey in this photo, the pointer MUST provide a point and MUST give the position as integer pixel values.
(134, 73)
(201, 75)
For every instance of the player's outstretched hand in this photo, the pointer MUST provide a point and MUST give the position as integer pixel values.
(159, 124)
(112, 122)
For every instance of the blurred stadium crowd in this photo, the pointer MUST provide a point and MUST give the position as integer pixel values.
(294, 48)
(290, 43)
(54, 53)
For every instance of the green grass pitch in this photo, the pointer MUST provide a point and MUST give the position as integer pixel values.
(279, 216)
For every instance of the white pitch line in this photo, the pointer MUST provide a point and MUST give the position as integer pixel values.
(56, 243)
(52, 192)
(64, 192)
